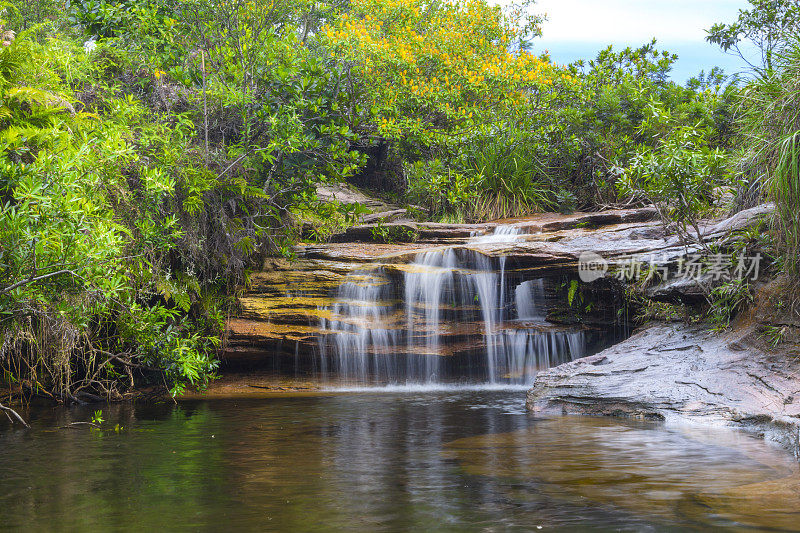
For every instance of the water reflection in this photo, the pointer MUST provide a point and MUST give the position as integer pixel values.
(433, 461)
(689, 475)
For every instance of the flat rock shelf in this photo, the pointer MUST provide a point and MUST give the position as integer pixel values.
(677, 372)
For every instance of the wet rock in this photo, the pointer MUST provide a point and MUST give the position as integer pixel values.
(441, 233)
(286, 302)
(384, 216)
(603, 218)
(380, 211)
(359, 253)
(740, 220)
(409, 231)
(684, 290)
(670, 371)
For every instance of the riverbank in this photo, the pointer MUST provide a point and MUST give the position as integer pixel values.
(504, 293)
(256, 384)
(682, 373)
(745, 376)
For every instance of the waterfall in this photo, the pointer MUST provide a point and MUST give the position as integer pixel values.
(425, 287)
(502, 233)
(452, 314)
(528, 297)
(365, 335)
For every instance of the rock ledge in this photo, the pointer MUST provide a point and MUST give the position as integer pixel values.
(678, 372)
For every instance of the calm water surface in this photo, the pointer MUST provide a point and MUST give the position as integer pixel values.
(467, 460)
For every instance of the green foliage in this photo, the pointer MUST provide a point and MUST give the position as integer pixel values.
(388, 234)
(573, 289)
(99, 17)
(511, 179)
(644, 309)
(83, 248)
(166, 340)
(30, 14)
(624, 107)
(766, 27)
(322, 220)
(490, 177)
(784, 188)
(663, 311)
(775, 335)
(727, 300)
(442, 189)
(570, 147)
(769, 125)
(678, 175)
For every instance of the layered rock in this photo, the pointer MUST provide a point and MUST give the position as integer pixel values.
(441, 233)
(294, 310)
(463, 279)
(681, 372)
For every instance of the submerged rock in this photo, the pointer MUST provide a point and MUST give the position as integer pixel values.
(711, 478)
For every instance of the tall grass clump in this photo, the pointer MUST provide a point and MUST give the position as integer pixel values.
(770, 125)
(490, 177)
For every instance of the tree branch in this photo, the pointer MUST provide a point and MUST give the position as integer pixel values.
(9, 411)
(35, 279)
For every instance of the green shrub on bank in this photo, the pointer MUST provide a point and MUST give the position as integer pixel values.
(569, 148)
(89, 235)
(143, 173)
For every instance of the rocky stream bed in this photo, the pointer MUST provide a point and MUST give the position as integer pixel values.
(299, 314)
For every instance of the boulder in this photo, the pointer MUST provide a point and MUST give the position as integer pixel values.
(679, 372)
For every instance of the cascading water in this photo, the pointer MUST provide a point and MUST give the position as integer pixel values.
(452, 314)
(502, 233)
(364, 331)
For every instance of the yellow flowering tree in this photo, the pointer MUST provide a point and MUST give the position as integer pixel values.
(432, 72)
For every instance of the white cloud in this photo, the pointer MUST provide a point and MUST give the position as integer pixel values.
(633, 21)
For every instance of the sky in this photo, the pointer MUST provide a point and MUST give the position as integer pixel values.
(578, 29)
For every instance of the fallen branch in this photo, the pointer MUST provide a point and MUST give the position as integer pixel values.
(9, 411)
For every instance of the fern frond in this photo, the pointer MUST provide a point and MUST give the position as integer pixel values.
(38, 98)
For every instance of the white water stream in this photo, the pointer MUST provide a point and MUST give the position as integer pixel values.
(451, 301)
